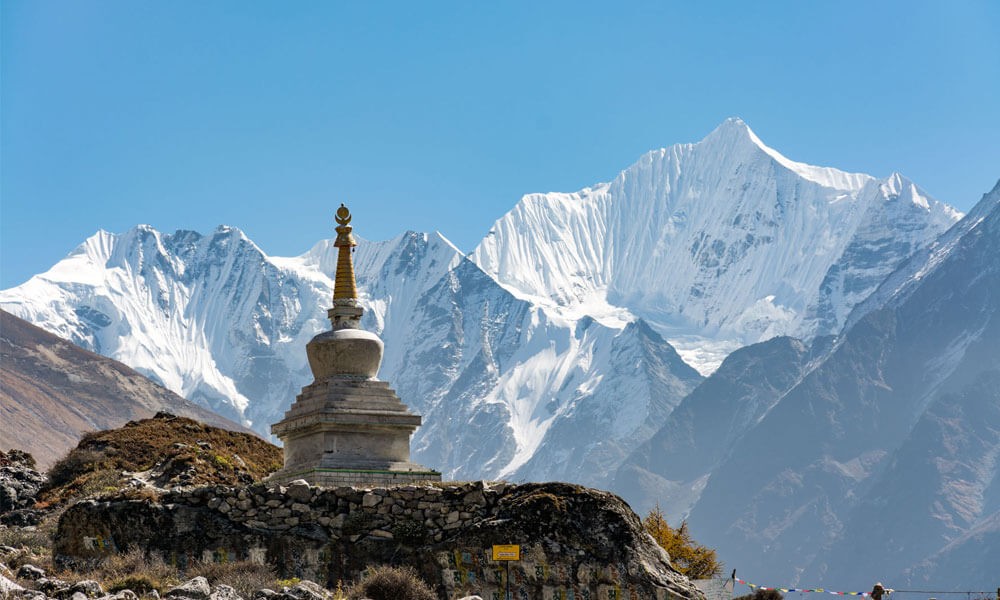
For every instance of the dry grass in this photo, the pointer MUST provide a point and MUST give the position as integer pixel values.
(243, 576)
(391, 583)
(142, 573)
(179, 450)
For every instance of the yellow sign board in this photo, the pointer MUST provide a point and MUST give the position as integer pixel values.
(506, 552)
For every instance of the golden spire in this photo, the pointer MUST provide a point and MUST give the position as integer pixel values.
(346, 313)
(344, 287)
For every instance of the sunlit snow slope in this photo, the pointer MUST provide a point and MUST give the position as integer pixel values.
(716, 244)
(499, 382)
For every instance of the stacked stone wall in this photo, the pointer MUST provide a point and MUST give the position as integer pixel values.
(576, 543)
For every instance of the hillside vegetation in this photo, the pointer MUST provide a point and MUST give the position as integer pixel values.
(160, 452)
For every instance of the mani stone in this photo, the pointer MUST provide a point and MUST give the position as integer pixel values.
(347, 428)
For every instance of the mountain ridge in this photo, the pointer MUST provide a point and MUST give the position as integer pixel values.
(53, 392)
(570, 378)
(723, 241)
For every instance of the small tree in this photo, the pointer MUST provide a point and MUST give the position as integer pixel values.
(689, 557)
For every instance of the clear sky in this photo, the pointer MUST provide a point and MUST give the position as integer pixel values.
(439, 115)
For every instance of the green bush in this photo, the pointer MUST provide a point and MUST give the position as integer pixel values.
(391, 583)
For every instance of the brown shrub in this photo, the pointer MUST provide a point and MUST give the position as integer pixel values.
(391, 583)
(135, 568)
(244, 576)
(762, 595)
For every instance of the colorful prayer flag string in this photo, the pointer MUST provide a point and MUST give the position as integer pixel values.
(802, 590)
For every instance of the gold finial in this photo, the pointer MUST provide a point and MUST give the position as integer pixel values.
(343, 286)
(343, 216)
(344, 237)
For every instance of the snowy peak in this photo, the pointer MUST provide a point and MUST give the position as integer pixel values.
(723, 240)
(734, 137)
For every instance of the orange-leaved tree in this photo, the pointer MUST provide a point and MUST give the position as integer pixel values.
(688, 557)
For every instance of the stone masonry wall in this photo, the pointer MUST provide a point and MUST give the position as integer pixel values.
(576, 543)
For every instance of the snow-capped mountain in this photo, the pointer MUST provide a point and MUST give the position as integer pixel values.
(218, 320)
(543, 356)
(883, 460)
(716, 244)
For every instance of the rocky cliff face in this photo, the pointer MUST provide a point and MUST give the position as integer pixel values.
(885, 455)
(573, 539)
(19, 484)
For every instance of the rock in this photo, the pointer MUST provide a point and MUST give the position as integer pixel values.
(19, 482)
(224, 592)
(51, 587)
(125, 595)
(299, 490)
(24, 517)
(307, 590)
(88, 587)
(195, 589)
(7, 586)
(30, 572)
(471, 598)
(573, 530)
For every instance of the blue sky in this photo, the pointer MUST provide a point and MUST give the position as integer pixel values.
(440, 115)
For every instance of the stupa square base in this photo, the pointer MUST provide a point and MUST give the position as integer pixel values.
(353, 477)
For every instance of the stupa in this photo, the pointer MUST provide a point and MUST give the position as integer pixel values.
(347, 427)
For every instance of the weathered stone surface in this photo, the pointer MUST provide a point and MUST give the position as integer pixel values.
(196, 589)
(8, 587)
(307, 590)
(88, 587)
(224, 592)
(299, 490)
(571, 538)
(30, 572)
(51, 586)
(19, 483)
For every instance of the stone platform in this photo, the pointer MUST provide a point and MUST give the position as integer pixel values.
(349, 431)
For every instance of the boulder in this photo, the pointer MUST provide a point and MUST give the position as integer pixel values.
(19, 483)
(194, 589)
(307, 590)
(30, 572)
(88, 587)
(224, 592)
(51, 586)
(7, 586)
